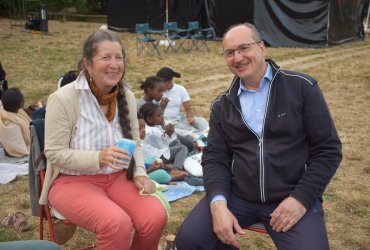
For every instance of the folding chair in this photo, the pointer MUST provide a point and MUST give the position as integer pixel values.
(173, 34)
(145, 42)
(199, 37)
(60, 229)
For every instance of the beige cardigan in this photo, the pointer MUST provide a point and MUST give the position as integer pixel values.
(15, 132)
(63, 110)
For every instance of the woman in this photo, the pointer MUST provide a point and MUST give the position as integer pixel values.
(178, 96)
(88, 179)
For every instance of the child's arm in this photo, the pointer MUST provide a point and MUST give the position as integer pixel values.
(170, 131)
(154, 166)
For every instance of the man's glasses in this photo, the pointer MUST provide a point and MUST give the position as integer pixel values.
(242, 50)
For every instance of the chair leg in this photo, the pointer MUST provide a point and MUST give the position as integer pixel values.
(45, 208)
(41, 222)
(50, 223)
(188, 42)
(139, 47)
(202, 44)
(193, 44)
(155, 47)
(170, 46)
(206, 45)
(181, 45)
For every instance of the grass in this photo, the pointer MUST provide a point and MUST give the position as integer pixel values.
(34, 63)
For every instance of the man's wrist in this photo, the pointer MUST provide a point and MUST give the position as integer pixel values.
(218, 197)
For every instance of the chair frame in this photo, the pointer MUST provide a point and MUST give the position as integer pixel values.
(257, 227)
(199, 37)
(173, 33)
(144, 41)
(44, 210)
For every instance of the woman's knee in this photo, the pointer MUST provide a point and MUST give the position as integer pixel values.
(160, 217)
(115, 224)
(155, 221)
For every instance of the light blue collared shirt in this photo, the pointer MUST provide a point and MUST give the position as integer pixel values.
(253, 104)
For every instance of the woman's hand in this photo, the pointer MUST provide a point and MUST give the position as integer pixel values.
(114, 157)
(145, 184)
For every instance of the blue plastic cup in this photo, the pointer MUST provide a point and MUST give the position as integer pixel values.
(128, 145)
(149, 161)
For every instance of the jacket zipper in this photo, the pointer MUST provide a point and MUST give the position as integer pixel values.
(260, 142)
(262, 169)
(261, 164)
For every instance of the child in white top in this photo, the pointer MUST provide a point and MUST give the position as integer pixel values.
(161, 142)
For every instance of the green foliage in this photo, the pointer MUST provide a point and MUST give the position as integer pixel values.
(4, 5)
(81, 6)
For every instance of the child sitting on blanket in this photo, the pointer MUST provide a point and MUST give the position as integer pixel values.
(14, 124)
(153, 88)
(160, 142)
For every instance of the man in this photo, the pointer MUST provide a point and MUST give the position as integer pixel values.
(272, 149)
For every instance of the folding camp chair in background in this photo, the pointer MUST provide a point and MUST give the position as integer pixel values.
(199, 37)
(175, 35)
(145, 41)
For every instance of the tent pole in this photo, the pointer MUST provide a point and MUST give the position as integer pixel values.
(166, 11)
(166, 41)
(167, 18)
(367, 29)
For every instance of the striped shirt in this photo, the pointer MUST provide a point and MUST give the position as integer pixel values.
(92, 131)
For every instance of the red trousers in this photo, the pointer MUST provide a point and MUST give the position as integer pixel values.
(110, 206)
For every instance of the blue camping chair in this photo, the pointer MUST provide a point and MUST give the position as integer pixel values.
(199, 37)
(174, 34)
(145, 41)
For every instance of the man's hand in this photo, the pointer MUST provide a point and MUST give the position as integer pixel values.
(224, 222)
(287, 214)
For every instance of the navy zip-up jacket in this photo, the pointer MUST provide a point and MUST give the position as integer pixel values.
(297, 154)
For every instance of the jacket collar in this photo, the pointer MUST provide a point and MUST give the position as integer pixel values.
(233, 89)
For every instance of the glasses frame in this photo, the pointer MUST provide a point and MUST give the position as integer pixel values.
(249, 45)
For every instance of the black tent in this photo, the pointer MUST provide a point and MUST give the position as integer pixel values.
(290, 23)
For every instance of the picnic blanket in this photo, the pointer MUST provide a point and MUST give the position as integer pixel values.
(182, 189)
(11, 167)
